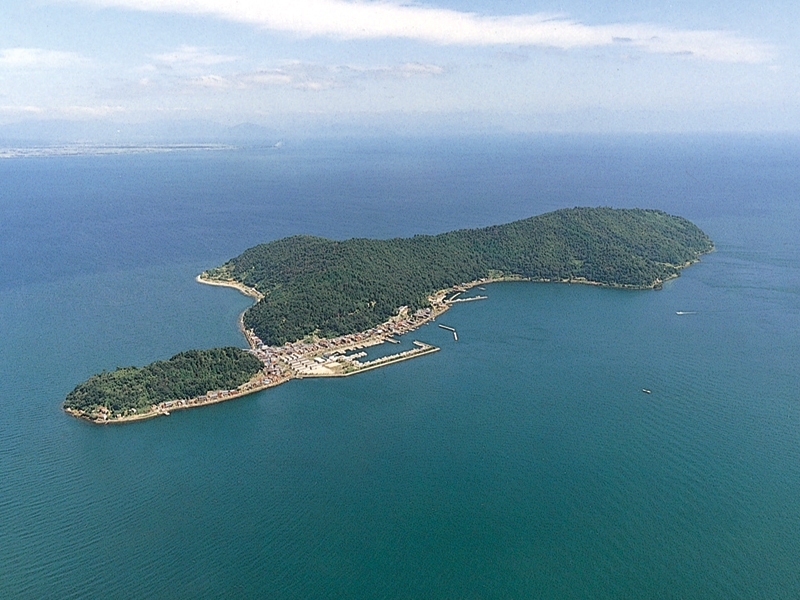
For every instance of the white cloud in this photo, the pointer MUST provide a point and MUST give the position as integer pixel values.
(193, 56)
(103, 110)
(31, 58)
(391, 19)
(211, 81)
(307, 76)
(78, 111)
(407, 70)
(21, 109)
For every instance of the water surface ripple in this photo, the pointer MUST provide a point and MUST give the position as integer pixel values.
(523, 460)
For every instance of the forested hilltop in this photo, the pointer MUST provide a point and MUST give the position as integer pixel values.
(132, 390)
(313, 285)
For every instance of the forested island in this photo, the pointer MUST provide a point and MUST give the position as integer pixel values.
(321, 287)
(318, 299)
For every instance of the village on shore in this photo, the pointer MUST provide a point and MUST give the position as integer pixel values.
(313, 356)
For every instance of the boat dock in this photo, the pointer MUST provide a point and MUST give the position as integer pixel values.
(455, 334)
(470, 299)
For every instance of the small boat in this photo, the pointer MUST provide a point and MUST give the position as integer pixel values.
(686, 312)
(646, 391)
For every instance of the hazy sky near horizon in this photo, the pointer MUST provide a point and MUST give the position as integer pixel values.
(551, 65)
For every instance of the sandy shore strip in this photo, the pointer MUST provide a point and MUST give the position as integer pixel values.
(247, 291)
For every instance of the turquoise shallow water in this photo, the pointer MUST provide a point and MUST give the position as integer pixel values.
(521, 461)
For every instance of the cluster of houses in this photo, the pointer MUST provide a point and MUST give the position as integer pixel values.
(210, 396)
(295, 358)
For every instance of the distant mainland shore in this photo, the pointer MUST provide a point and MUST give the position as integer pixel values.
(319, 303)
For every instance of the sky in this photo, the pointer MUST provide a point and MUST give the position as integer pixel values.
(459, 65)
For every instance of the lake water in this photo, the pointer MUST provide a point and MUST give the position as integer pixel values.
(522, 461)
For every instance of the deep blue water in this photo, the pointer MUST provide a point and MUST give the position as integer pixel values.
(522, 461)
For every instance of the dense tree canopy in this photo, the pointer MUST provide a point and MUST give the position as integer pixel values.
(329, 287)
(185, 375)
